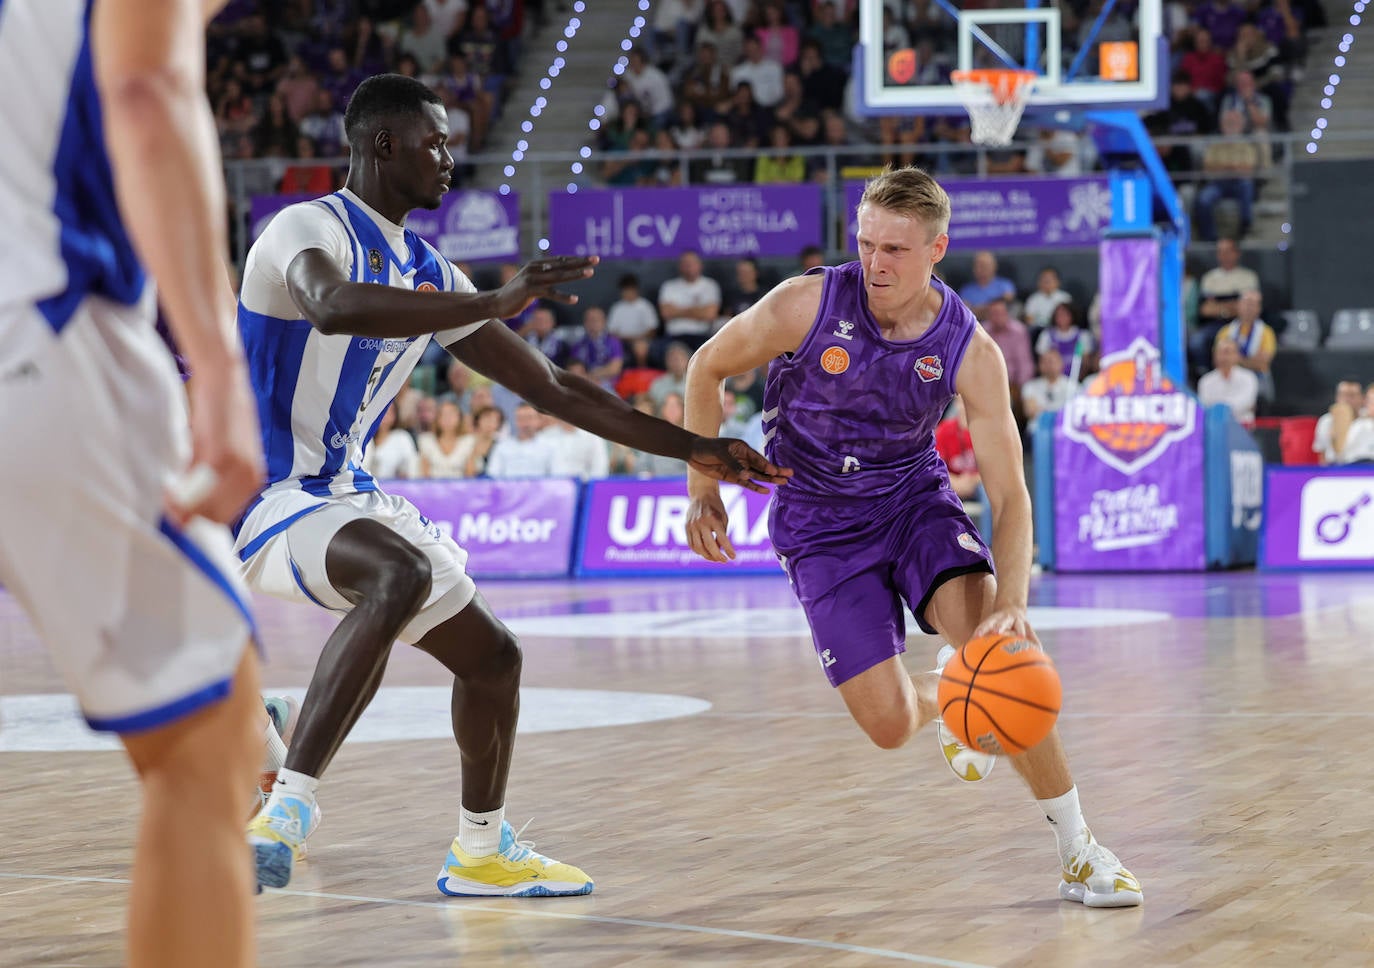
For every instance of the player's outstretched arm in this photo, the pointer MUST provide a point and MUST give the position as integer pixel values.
(149, 60)
(984, 390)
(335, 304)
(496, 352)
(776, 324)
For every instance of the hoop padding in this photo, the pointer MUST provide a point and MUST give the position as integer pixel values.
(995, 101)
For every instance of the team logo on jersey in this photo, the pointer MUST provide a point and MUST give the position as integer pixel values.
(1129, 412)
(929, 369)
(968, 542)
(374, 260)
(843, 329)
(835, 360)
(426, 287)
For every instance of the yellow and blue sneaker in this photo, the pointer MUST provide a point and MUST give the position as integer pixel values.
(277, 835)
(515, 870)
(968, 764)
(1094, 877)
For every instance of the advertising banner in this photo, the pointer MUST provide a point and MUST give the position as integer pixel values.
(639, 527)
(1017, 213)
(1318, 517)
(659, 223)
(510, 528)
(1129, 286)
(1128, 468)
(468, 226)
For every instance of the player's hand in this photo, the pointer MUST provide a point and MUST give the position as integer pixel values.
(1007, 620)
(540, 279)
(226, 442)
(706, 525)
(732, 460)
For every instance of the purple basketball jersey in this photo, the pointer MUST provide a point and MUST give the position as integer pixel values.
(853, 413)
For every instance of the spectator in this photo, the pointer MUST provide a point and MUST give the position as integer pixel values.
(1012, 337)
(633, 168)
(747, 290)
(717, 168)
(1352, 432)
(706, 84)
(1256, 110)
(1058, 152)
(1222, 20)
(835, 39)
(677, 356)
(742, 422)
(471, 96)
(986, 287)
(461, 382)
(306, 178)
(675, 23)
(392, 451)
(955, 447)
(475, 448)
(447, 16)
(424, 415)
(440, 453)
(811, 257)
(656, 465)
(778, 37)
(298, 89)
(324, 125)
(1219, 292)
(422, 41)
(1185, 116)
(262, 54)
(748, 121)
(1048, 294)
(1233, 164)
(1050, 390)
(650, 88)
(689, 303)
(686, 130)
(480, 44)
(632, 316)
(576, 453)
(540, 333)
(459, 128)
(275, 135)
(1230, 383)
(1206, 67)
(1347, 407)
(764, 76)
(1075, 342)
(786, 169)
(722, 35)
(748, 388)
(597, 350)
(527, 453)
(638, 375)
(1254, 338)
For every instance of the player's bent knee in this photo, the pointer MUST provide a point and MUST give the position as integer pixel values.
(404, 580)
(888, 732)
(504, 661)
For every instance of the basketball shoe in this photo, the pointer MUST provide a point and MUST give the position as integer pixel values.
(277, 835)
(515, 870)
(967, 764)
(1094, 877)
(283, 711)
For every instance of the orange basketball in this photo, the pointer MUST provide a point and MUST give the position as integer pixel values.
(1000, 694)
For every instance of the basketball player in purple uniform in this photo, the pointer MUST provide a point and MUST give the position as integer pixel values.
(864, 359)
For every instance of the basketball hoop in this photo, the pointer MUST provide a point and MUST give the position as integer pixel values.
(995, 99)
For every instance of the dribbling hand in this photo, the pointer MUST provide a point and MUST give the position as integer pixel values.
(540, 279)
(1007, 620)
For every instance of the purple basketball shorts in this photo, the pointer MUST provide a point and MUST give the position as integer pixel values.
(853, 563)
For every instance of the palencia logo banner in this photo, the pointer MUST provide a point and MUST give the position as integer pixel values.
(1129, 412)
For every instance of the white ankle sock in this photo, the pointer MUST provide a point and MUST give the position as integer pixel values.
(292, 784)
(1065, 817)
(479, 834)
(275, 753)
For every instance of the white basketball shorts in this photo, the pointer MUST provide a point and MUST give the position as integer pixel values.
(146, 622)
(285, 538)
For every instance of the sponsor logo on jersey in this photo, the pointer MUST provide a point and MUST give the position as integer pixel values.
(374, 260)
(426, 287)
(835, 360)
(968, 542)
(929, 369)
(1130, 412)
(843, 329)
(340, 440)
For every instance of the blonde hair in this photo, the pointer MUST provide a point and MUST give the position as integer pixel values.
(912, 193)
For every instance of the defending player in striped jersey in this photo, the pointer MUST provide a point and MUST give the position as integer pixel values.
(338, 302)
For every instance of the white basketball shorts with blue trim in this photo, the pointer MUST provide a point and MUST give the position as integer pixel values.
(146, 623)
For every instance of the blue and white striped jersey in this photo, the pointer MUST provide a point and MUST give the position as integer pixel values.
(321, 397)
(63, 238)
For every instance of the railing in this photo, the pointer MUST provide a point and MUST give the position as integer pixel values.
(540, 172)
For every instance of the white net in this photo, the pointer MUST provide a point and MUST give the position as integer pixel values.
(995, 101)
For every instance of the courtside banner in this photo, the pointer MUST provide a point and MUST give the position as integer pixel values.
(468, 226)
(659, 223)
(638, 527)
(1318, 517)
(510, 529)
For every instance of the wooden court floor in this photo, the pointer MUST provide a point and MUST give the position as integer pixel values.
(1219, 728)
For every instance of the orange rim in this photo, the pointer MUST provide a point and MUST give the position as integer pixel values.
(1004, 83)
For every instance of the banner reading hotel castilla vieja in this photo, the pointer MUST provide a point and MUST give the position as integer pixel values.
(640, 527)
(468, 226)
(659, 223)
(1128, 468)
(1016, 213)
(510, 528)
